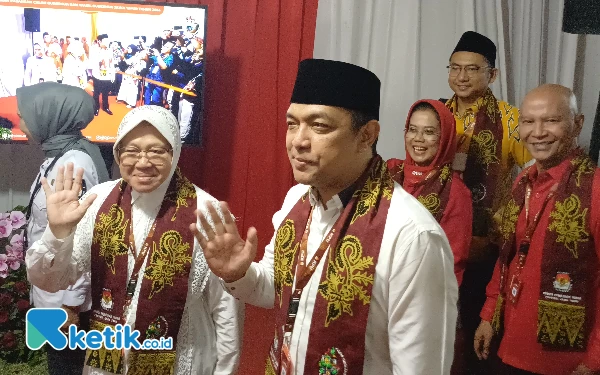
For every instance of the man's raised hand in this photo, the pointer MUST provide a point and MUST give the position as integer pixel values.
(226, 253)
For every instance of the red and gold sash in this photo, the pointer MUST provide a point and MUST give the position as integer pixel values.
(566, 261)
(433, 191)
(336, 341)
(484, 162)
(164, 287)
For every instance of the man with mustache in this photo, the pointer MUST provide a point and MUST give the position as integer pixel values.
(488, 147)
(544, 291)
(360, 274)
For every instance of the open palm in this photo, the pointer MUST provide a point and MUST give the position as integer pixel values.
(226, 253)
(63, 208)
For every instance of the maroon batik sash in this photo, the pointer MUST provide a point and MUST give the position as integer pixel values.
(339, 320)
(433, 191)
(567, 261)
(164, 287)
(482, 173)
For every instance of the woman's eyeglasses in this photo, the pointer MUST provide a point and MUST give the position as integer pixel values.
(157, 156)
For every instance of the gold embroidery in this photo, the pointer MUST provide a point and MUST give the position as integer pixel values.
(167, 260)
(349, 275)
(431, 202)
(104, 359)
(498, 314)
(109, 233)
(490, 106)
(269, 370)
(185, 190)
(367, 196)
(153, 363)
(560, 324)
(510, 215)
(285, 253)
(445, 174)
(511, 123)
(485, 148)
(583, 166)
(569, 223)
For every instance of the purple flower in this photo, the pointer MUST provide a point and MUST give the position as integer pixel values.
(16, 241)
(17, 219)
(5, 228)
(3, 266)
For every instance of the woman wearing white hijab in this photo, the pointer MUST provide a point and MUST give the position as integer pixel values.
(165, 289)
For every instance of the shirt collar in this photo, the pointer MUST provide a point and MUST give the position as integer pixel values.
(155, 196)
(339, 200)
(472, 109)
(555, 173)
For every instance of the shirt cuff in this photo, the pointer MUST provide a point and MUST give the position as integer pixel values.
(244, 286)
(54, 244)
(74, 297)
(487, 312)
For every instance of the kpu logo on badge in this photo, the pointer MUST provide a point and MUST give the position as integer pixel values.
(43, 326)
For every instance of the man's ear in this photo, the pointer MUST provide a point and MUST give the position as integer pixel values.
(369, 134)
(578, 125)
(493, 75)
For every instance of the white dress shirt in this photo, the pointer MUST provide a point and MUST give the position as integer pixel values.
(38, 68)
(412, 316)
(74, 295)
(208, 342)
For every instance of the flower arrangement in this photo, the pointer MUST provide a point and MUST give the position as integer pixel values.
(14, 289)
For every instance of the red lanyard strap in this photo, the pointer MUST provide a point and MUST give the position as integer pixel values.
(304, 271)
(524, 245)
(139, 259)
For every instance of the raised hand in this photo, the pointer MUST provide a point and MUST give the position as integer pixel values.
(226, 253)
(62, 205)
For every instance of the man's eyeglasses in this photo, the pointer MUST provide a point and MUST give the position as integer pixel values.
(471, 70)
(427, 134)
(157, 156)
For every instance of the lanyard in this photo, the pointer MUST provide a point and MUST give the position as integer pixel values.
(139, 261)
(531, 225)
(304, 271)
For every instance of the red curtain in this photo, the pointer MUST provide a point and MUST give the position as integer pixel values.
(252, 52)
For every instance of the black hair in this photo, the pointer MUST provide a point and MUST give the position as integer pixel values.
(360, 119)
(424, 106)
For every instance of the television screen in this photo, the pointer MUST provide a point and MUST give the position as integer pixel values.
(123, 54)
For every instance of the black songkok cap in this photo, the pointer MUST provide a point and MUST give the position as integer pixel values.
(102, 36)
(337, 84)
(471, 41)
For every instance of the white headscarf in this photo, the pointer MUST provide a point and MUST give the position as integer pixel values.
(163, 120)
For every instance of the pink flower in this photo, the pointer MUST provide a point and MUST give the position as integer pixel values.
(16, 241)
(5, 228)
(17, 219)
(4, 216)
(3, 266)
(14, 254)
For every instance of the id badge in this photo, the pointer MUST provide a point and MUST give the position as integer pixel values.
(287, 367)
(515, 290)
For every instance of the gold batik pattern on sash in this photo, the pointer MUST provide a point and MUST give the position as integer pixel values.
(167, 271)
(104, 359)
(567, 256)
(109, 234)
(284, 254)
